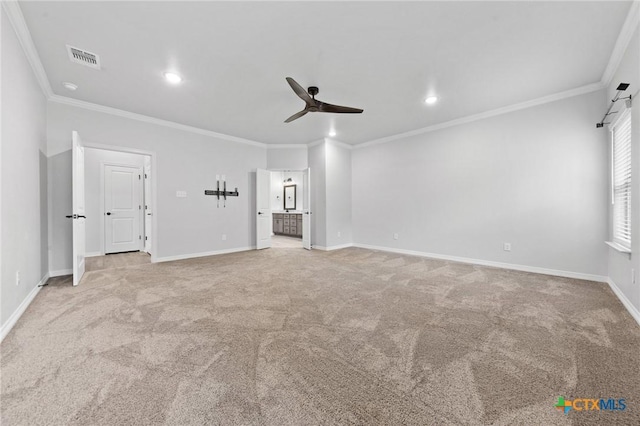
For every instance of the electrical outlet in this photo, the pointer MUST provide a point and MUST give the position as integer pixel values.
(17, 277)
(507, 247)
(339, 235)
(224, 237)
(395, 235)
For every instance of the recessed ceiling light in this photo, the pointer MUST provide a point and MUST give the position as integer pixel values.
(431, 100)
(69, 86)
(172, 77)
(332, 133)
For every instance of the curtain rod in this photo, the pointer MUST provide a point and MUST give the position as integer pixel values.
(621, 88)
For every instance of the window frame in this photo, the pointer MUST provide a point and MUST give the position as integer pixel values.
(621, 235)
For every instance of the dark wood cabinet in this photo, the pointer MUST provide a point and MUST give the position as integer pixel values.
(287, 224)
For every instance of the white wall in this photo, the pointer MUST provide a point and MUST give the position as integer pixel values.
(94, 161)
(338, 194)
(23, 202)
(277, 188)
(184, 161)
(621, 265)
(536, 178)
(317, 164)
(287, 158)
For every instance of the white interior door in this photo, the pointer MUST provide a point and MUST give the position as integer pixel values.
(78, 206)
(123, 208)
(263, 206)
(306, 209)
(148, 212)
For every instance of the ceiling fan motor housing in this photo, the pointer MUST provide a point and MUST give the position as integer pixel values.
(313, 90)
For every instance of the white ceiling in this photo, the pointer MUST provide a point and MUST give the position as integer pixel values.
(385, 57)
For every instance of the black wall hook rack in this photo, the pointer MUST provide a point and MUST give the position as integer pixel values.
(222, 193)
(219, 194)
(621, 88)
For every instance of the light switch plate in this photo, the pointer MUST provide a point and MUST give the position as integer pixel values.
(181, 194)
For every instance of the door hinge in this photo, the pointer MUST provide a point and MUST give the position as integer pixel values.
(145, 176)
(139, 207)
(146, 238)
(139, 237)
(139, 177)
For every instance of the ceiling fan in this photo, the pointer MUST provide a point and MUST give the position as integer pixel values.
(314, 105)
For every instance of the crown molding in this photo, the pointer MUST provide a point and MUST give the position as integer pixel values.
(624, 38)
(14, 13)
(338, 143)
(316, 143)
(488, 114)
(152, 120)
(286, 146)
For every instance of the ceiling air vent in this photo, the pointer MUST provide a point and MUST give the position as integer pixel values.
(83, 57)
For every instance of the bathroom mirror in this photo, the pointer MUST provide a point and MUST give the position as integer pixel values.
(290, 197)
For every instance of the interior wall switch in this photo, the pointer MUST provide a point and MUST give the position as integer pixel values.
(633, 276)
(339, 235)
(17, 277)
(395, 236)
(224, 237)
(507, 247)
(181, 194)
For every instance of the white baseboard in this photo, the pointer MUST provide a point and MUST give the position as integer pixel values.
(331, 248)
(203, 254)
(524, 268)
(13, 319)
(60, 273)
(635, 313)
(94, 254)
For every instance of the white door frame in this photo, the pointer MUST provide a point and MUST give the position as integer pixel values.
(147, 211)
(304, 189)
(153, 201)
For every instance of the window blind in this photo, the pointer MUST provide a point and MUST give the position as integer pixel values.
(621, 134)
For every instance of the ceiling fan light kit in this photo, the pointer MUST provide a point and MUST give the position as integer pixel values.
(314, 105)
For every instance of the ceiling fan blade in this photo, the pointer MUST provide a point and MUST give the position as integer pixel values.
(324, 107)
(300, 91)
(296, 116)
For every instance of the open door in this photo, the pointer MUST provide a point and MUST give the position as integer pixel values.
(263, 206)
(306, 209)
(78, 206)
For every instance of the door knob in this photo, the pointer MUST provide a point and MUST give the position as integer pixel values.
(259, 212)
(76, 216)
(108, 213)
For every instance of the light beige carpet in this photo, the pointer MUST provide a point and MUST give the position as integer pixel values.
(287, 336)
(116, 260)
(283, 241)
